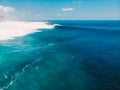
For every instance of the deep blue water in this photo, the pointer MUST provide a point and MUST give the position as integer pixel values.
(78, 55)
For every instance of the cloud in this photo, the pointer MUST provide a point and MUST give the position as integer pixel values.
(77, 2)
(59, 14)
(67, 9)
(6, 9)
(37, 15)
(80, 2)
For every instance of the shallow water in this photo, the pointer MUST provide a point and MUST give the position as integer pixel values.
(76, 55)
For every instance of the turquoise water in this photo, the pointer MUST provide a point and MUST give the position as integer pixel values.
(77, 55)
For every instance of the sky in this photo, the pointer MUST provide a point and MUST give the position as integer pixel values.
(60, 9)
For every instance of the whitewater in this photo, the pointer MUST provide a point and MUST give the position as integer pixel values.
(13, 29)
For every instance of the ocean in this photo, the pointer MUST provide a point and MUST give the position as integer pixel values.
(74, 55)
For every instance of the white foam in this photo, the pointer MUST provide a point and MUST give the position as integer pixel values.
(12, 29)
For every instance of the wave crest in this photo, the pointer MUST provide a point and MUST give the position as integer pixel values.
(12, 29)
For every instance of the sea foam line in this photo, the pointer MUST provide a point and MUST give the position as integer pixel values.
(12, 29)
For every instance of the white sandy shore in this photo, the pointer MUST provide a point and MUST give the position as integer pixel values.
(12, 29)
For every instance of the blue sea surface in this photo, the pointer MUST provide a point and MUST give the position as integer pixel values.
(75, 55)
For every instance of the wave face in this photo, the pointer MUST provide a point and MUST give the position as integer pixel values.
(73, 55)
(12, 29)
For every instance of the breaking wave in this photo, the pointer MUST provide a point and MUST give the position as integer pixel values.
(12, 29)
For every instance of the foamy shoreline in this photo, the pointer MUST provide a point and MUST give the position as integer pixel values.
(12, 29)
